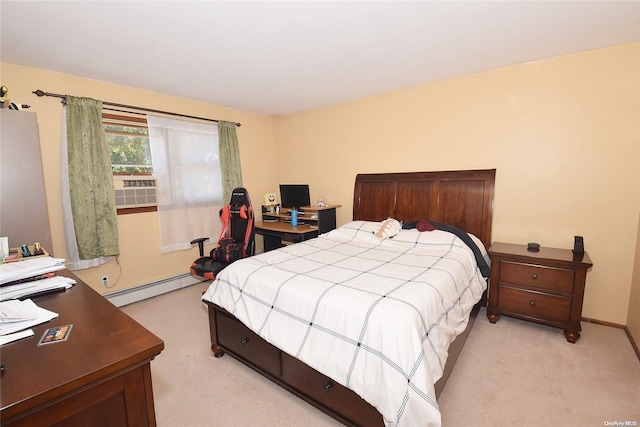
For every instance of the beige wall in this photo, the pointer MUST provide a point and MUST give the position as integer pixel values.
(141, 261)
(563, 135)
(633, 318)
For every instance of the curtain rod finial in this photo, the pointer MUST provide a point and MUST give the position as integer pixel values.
(39, 92)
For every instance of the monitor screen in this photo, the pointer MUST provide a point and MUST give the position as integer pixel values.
(294, 195)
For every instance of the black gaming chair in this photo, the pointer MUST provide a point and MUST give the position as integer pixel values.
(237, 238)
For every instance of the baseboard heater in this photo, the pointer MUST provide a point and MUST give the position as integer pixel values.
(150, 290)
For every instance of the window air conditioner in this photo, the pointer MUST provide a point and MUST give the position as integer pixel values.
(134, 191)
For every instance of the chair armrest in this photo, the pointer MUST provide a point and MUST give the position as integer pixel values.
(200, 241)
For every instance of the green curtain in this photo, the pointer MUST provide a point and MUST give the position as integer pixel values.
(91, 189)
(230, 167)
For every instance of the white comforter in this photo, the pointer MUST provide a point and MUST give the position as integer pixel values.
(375, 315)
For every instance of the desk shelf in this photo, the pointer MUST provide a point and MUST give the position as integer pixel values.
(323, 218)
(316, 220)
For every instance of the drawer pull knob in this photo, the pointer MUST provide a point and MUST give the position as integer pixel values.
(327, 386)
(244, 341)
(534, 276)
(532, 303)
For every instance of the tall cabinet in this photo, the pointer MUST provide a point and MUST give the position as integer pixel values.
(23, 204)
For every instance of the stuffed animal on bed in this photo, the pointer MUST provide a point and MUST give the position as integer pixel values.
(388, 228)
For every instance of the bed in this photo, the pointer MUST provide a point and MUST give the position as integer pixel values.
(365, 328)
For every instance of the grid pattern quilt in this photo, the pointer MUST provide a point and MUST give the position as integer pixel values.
(375, 315)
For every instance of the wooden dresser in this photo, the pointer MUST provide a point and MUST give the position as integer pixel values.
(546, 286)
(99, 376)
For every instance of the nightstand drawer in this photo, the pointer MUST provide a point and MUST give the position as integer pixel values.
(554, 279)
(536, 304)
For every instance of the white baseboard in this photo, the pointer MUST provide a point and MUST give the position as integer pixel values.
(150, 290)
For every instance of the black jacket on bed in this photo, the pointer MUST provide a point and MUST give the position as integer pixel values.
(482, 263)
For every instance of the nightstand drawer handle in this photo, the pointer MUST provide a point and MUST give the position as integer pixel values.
(532, 303)
(534, 276)
(244, 341)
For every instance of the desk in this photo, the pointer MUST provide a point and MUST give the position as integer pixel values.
(99, 376)
(275, 228)
(274, 232)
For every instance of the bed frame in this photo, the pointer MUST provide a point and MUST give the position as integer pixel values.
(460, 198)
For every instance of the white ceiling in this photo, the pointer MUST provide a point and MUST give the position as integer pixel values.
(279, 58)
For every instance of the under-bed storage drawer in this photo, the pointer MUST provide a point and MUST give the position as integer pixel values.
(327, 392)
(240, 340)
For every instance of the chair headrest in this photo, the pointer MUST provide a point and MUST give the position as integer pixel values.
(239, 197)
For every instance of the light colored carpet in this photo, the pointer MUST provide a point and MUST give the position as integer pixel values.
(511, 373)
(517, 373)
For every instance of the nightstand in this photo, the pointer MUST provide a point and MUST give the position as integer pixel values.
(546, 286)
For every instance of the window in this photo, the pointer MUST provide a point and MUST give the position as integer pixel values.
(186, 165)
(186, 161)
(128, 140)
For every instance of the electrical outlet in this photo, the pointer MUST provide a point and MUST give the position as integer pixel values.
(105, 280)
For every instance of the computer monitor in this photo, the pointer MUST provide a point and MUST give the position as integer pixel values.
(294, 195)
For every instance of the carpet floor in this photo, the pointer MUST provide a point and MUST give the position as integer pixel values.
(511, 373)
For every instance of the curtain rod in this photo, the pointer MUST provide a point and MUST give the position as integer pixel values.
(41, 93)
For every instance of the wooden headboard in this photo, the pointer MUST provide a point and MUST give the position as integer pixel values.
(463, 199)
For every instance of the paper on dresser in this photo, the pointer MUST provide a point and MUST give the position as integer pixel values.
(11, 271)
(17, 315)
(6, 339)
(35, 287)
